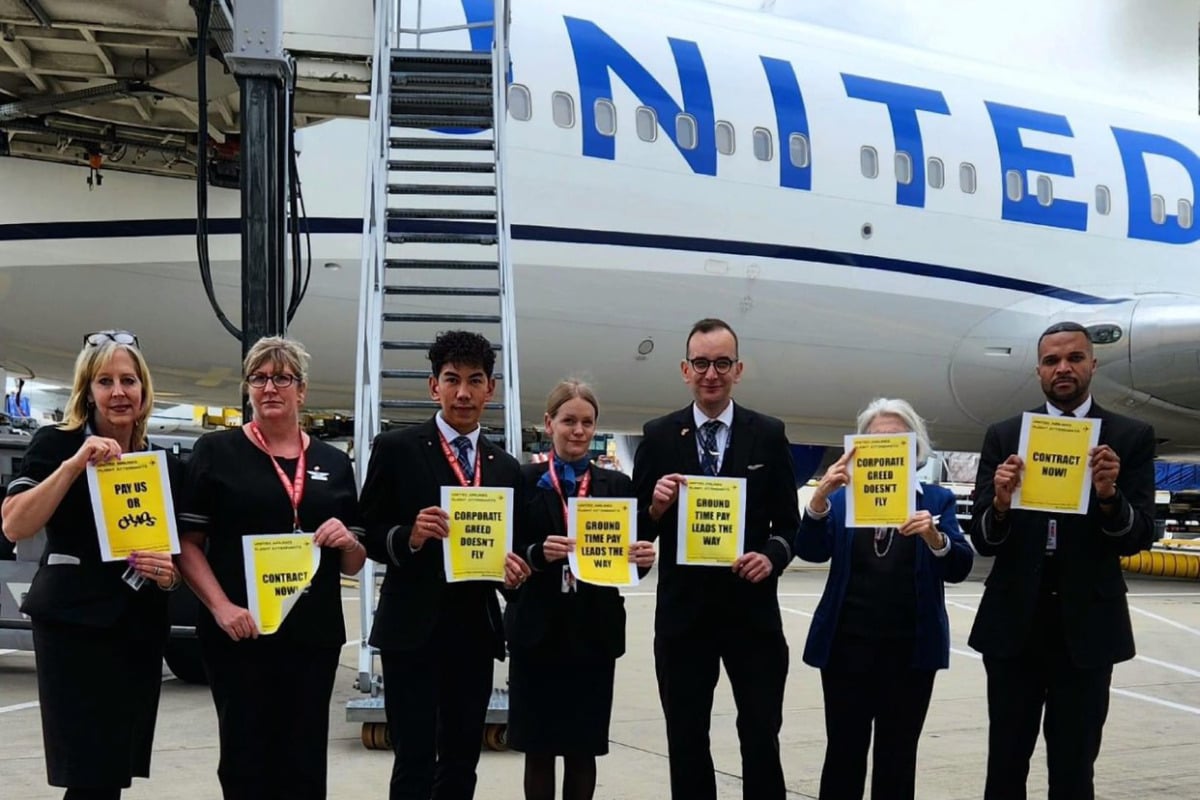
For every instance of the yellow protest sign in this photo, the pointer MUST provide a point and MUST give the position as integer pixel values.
(480, 532)
(279, 567)
(1058, 473)
(712, 521)
(603, 529)
(882, 491)
(132, 505)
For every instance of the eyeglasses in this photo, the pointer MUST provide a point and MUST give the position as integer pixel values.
(282, 381)
(721, 365)
(97, 338)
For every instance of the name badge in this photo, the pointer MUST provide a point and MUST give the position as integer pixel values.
(317, 475)
(1052, 536)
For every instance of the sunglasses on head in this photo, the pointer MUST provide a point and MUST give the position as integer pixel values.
(97, 338)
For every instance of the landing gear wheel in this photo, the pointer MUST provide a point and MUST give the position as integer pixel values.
(496, 737)
(375, 736)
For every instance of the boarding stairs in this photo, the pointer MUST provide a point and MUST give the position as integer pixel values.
(435, 255)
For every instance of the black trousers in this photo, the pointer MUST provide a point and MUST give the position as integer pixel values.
(1076, 704)
(272, 698)
(436, 698)
(882, 691)
(687, 667)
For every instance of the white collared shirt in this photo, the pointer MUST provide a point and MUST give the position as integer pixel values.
(726, 417)
(1082, 411)
(452, 434)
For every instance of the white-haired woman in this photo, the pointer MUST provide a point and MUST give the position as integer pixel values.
(880, 631)
(271, 692)
(99, 641)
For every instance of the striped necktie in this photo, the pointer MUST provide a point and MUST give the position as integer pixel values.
(463, 445)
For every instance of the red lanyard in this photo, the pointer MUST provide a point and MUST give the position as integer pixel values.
(585, 483)
(295, 487)
(454, 465)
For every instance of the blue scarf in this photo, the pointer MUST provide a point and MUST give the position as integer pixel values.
(568, 473)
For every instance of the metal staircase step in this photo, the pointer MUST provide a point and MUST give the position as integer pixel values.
(428, 263)
(469, 83)
(442, 238)
(440, 188)
(441, 213)
(441, 166)
(417, 374)
(466, 319)
(439, 143)
(441, 120)
(442, 291)
(420, 346)
(430, 404)
(441, 60)
(441, 102)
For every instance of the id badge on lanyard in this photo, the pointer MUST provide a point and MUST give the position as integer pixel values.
(569, 582)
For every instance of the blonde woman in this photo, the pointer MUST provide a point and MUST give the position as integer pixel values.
(271, 692)
(99, 641)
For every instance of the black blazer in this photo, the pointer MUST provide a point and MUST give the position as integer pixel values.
(406, 474)
(1090, 584)
(90, 593)
(591, 620)
(695, 598)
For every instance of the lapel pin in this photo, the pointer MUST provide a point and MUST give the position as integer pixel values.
(684, 432)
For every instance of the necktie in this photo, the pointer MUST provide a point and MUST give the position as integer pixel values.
(708, 446)
(463, 445)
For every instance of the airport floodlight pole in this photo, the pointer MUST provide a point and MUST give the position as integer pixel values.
(263, 71)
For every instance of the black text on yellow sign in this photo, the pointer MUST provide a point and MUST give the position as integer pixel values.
(881, 491)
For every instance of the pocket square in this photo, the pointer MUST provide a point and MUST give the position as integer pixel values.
(756, 466)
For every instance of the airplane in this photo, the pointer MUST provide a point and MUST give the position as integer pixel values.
(871, 218)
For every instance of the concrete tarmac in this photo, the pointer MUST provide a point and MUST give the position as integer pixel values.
(1151, 743)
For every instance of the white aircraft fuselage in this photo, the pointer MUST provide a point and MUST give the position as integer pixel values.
(717, 163)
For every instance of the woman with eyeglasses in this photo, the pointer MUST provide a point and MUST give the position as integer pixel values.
(99, 641)
(880, 631)
(271, 692)
(564, 634)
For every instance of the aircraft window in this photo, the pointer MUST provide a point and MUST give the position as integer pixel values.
(606, 117)
(685, 131)
(725, 139)
(520, 104)
(562, 107)
(936, 171)
(1045, 190)
(1185, 213)
(904, 169)
(868, 159)
(647, 123)
(799, 151)
(1014, 185)
(1158, 209)
(764, 145)
(1103, 200)
(966, 177)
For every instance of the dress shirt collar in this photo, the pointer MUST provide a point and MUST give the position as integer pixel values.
(452, 434)
(725, 416)
(1082, 411)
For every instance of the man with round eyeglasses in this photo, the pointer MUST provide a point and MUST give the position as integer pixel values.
(706, 615)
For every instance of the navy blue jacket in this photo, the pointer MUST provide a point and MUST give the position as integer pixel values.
(818, 540)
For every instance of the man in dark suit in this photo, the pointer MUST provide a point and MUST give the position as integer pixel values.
(437, 641)
(1053, 619)
(708, 615)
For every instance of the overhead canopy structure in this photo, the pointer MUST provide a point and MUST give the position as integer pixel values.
(115, 83)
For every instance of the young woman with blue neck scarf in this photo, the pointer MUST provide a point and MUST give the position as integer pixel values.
(564, 633)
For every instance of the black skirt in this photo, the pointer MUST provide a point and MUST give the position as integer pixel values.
(98, 689)
(558, 706)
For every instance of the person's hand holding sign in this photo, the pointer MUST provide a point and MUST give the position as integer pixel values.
(1106, 465)
(431, 523)
(237, 622)
(333, 533)
(642, 554)
(922, 524)
(95, 450)
(837, 476)
(515, 571)
(754, 567)
(1005, 482)
(157, 567)
(556, 548)
(666, 492)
